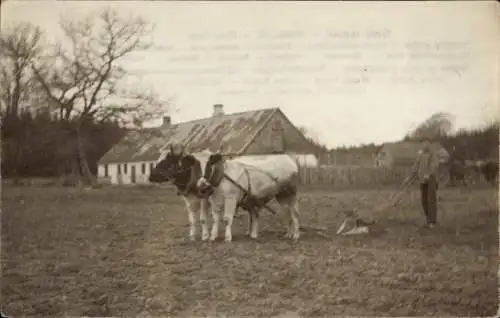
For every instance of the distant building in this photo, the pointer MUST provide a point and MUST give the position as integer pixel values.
(353, 157)
(259, 132)
(405, 153)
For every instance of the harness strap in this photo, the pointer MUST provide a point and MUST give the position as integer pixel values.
(246, 191)
(275, 179)
(249, 183)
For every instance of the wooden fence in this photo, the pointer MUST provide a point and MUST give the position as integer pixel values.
(356, 176)
(365, 176)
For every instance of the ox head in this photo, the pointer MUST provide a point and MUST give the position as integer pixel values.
(212, 174)
(196, 173)
(214, 168)
(177, 166)
(167, 166)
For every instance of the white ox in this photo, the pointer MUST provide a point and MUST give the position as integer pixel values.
(250, 183)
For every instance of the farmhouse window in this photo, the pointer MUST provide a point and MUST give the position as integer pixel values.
(125, 168)
(119, 168)
(143, 168)
(105, 170)
(277, 137)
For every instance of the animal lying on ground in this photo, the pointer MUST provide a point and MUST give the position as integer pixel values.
(250, 183)
(184, 171)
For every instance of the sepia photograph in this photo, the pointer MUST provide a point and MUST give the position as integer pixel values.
(249, 158)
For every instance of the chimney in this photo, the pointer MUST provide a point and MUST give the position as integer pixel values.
(218, 110)
(167, 121)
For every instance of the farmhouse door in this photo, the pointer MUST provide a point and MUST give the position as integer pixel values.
(132, 173)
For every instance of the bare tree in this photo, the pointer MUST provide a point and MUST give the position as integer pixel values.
(439, 124)
(312, 138)
(19, 47)
(85, 78)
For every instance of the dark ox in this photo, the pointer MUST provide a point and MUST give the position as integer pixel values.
(184, 170)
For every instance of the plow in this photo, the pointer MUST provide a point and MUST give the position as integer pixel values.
(355, 216)
(355, 221)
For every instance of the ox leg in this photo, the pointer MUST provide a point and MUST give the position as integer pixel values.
(289, 229)
(216, 212)
(254, 225)
(215, 226)
(290, 225)
(191, 217)
(294, 218)
(203, 219)
(285, 208)
(230, 204)
(250, 221)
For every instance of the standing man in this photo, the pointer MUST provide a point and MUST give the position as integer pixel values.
(425, 170)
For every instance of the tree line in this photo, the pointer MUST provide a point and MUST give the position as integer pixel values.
(465, 144)
(41, 145)
(473, 144)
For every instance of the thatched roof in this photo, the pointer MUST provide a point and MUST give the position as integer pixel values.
(234, 131)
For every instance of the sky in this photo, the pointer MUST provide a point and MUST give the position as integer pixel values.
(351, 73)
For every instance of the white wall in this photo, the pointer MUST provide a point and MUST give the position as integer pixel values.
(125, 178)
(308, 160)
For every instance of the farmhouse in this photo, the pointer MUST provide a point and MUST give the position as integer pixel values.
(405, 153)
(256, 133)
